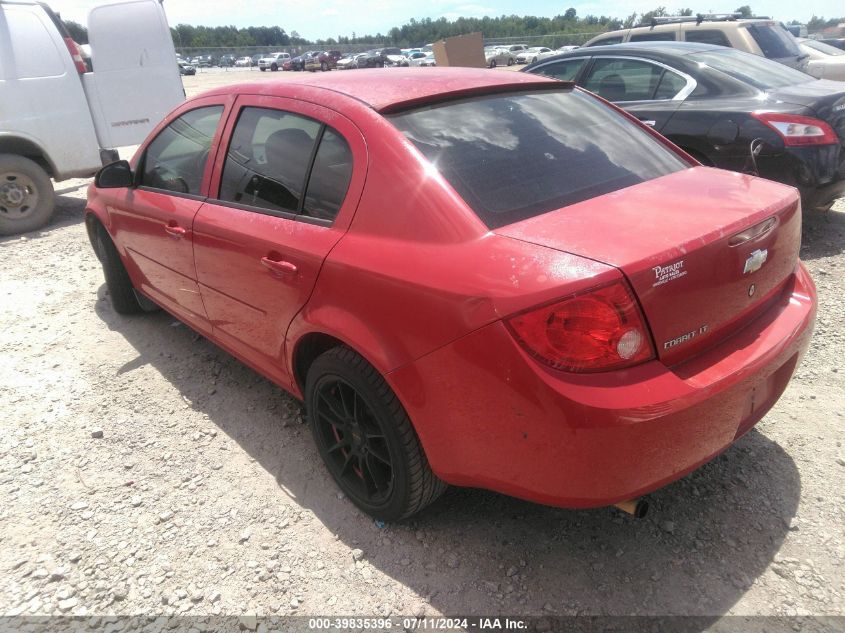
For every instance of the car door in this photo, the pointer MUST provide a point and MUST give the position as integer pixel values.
(153, 221)
(649, 90)
(285, 187)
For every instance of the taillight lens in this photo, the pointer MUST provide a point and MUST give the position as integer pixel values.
(798, 130)
(76, 54)
(597, 330)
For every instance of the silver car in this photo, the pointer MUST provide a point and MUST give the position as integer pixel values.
(496, 56)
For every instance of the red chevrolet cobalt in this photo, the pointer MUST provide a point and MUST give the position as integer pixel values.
(481, 279)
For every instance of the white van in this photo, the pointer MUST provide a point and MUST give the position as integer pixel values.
(61, 121)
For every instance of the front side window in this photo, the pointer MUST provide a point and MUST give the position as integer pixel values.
(565, 70)
(547, 150)
(175, 160)
(268, 159)
(623, 79)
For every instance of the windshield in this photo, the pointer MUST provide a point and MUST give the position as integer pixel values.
(827, 49)
(774, 40)
(751, 69)
(515, 156)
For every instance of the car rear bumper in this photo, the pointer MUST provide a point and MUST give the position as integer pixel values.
(817, 172)
(491, 417)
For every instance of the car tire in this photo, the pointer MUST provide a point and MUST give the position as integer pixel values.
(26, 195)
(324, 67)
(381, 64)
(510, 61)
(121, 291)
(274, 67)
(262, 69)
(492, 63)
(366, 439)
(534, 61)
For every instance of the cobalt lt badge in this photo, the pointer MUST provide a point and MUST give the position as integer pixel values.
(755, 261)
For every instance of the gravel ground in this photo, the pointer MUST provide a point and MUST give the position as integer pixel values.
(142, 470)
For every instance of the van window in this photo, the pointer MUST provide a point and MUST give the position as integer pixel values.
(268, 159)
(547, 150)
(654, 36)
(33, 49)
(175, 159)
(707, 36)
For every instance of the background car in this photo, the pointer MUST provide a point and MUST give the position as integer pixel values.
(727, 108)
(427, 61)
(323, 61)
(758, 36)
(243, 62)
(394, 56)
(823, 60)
(255, 58)
(533, 54)
(838, 42)
(496, 56)
(227, 60)
(351, 62)
(298, 63)
(640, 312)
(415, 58)
(186, 69)
(373, 59)
(273, 62)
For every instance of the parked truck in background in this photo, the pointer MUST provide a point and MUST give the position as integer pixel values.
(61, 119)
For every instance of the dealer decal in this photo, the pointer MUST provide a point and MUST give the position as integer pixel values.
(665, 274)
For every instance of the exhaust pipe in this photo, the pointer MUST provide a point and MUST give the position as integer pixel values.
(635, 507)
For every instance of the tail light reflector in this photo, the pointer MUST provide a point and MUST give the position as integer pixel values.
(76, 54)
(796, 130)
(597, 330)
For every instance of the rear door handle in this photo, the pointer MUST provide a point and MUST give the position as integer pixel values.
(175, 231)
(649, 122)
(278, 266)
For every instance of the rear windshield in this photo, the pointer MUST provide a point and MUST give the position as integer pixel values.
(774, 40)
(751, 69)
(827, 49)
(516, 156)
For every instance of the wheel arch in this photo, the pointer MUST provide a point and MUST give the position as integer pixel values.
(28, 148)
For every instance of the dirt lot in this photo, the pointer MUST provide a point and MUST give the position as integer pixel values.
(204, 493)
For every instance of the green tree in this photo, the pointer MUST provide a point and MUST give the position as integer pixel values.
(77, 32)
(744, 11)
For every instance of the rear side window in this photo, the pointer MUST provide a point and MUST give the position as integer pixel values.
(547, 150)
(175, 160)
(655, 36)
(607, 40)
(565, 70)
(329, 178)
(775, 41)
(623, 79)
(268, 158)
(670, 85)
(707, 36)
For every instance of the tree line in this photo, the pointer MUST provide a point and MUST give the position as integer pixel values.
(425, 30)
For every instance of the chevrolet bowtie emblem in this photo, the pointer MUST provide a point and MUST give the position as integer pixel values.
(755, 261)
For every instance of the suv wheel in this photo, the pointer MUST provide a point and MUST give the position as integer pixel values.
(26, 195)
(274, 67)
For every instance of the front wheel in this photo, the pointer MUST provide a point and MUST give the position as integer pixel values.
(26, 195)
(492, 63)
(274, 67)
(510, 61)
(366, 439)
(121, 292)
(324, 67)
(262, 69)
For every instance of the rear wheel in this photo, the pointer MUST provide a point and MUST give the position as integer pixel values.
(261, 68)
(510, 61)
(492, 63)
(26, 195)
(274, 67)
(121, 292)
(324, 66)
(366, 439)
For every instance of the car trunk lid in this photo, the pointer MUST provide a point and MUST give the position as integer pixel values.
(703, 249)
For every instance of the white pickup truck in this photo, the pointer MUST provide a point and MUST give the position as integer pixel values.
(58, 119)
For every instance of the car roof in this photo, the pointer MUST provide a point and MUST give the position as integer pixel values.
(670, 48)
(401, 87)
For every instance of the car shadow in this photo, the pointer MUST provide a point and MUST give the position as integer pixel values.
(705, 542)
(823, 233)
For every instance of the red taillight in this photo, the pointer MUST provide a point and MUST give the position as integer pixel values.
(76, 54)
(798, 130)
(592, 331)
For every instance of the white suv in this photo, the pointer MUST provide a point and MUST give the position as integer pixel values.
(273, 61)
(759, 36)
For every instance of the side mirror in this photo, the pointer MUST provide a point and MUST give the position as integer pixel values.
(115, 175)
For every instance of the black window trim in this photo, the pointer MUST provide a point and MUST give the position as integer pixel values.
(692, 84)
(142, 163)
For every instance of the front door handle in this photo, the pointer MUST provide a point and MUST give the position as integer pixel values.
(278, 266)
(175, 231)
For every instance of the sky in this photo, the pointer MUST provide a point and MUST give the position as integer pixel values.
(331, 18)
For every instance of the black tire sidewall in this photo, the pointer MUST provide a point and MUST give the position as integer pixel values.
(46, 202)
(333, 365)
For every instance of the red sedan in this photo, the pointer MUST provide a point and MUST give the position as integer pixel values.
(482, 279)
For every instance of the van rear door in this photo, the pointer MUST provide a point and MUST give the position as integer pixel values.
(135, 80)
